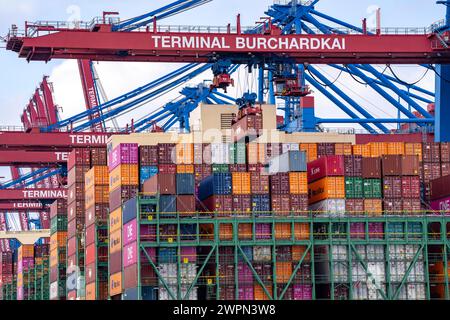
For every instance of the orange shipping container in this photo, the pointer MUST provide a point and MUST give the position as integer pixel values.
(326, 188)
(58, 240)
(96, 195)
(395, 148)
(98, 176)
(262, 153)
(185, 168)
(413, 149)
(184, 153)
(301, 231)
(54, 257)
(283, 231)
(115, 220)
(115, 241)
(343, 149)
(378, 149)
(373, 207)
(245, 231)
(298, 182)
(284, 271)
(91, 292)
(241, 183)
(310, 149)
(115, 284)
(125, 174)
(259, 292)
(298, 252)
(25, 250)
(252, 153)
(225, 231)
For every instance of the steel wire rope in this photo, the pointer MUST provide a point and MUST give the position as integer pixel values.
(323, 84)
(361, 82)
(406, 83)
(360, 96)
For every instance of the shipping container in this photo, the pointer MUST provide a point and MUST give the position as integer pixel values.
(353, 166)
(279, 183)
(329, 166)
(185, 183)
(259, 183)
(241, 183)
(124, 174)
(326, 188)
(291, 161)
(354, 187)
(123, 154)
(148, 155)
(371, 168)
(215, 184)
(161, 183)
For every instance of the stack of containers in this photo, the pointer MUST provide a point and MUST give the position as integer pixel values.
(6, 271)
(185, 180)
(401, 184)
(78, 164)
(289, 183)
(326, 185)
(202, 163)
(326, 149)
(311, 151)
(96, 234)
(148, 163)
(436, 163)
(215, 194)
(138, 273)
(58, 250)
(123, 186)
(25, 262)
(41, 272)
(247, 126)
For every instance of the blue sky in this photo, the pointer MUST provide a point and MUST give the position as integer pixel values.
(19, 78)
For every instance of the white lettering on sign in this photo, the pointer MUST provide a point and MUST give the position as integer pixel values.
(62, 156)
(44, 194)
(249, 43)
(27, 205)
(92, 97)
(88, 139)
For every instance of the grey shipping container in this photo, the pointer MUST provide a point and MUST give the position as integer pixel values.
(292, 161)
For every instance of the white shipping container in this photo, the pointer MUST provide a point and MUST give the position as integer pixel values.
(164, 294)
(358, 272)
(329, 207)
(416, 291)
(220, 153)
(339, 252)
(168, 272)
(378, 272)
(397, 270)
(262, 254)
(285, 147)
(375, 253)
(188, 273)
(53, 294)
(340, 271)
(417, 273)
(367, 291)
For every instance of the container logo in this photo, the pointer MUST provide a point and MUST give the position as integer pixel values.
(73, 278)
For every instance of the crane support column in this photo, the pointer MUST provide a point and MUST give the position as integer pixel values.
(442, 116)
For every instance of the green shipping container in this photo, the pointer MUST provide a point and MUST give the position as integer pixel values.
(237, 153)
(58, 224)
(354, 188)
(220, 168)
(372, 189)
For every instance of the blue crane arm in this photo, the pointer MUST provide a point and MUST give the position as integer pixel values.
(163, 12)
(45, 176)
(23, 178)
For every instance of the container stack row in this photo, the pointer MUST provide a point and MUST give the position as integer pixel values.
(96, 234)
(58, 249)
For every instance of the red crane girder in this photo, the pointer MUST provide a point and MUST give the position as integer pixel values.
(21, 205)
(104, 45)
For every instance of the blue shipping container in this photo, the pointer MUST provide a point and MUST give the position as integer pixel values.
(129, 210)
(261, 204)
(188, 232)
(147, 172)
(147, 293)
(248, 251)
(168, 204)
(185, 183)
(216, 184)
(167, 255)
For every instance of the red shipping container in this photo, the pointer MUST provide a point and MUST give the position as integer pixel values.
(58, 208)
(410, 165)
(354, 206)
(90, 235)
(90, 272)
(77, 174)
(91, 253)
(256, 168)
(259, 183)
(325, 149)
(299, 204)
(115, 262)
(148, 155)
(391, 165)
(431, 152)
(242, 204)
(279, 183)
(393, 206)
(238, 168)
(76, 193)
(97, 214)
(439, 188)
(445, 152)
(412, 206)
(281, 204)
(75, 227)
(167, 168)
(79, 157)
(411, 187)
(392, 187)
(121, 195)
(161, 183)
(371, 168)
(431, 171)
(99, 157)
(325, 167)
(445, 168)
(130, 277)
(186, 204)
(353, 166)
(166, 153)
(221, 204)
(75, 209)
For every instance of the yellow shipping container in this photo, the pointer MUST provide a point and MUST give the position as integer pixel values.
(262, 153)
(53, 257)
(125, 175)
(115, 220)
(96, 195)
(310, 149)
(91, 291)
(362, 150)
(58, 240)
(298, 182)
(25, 250)
(241, 183)
(414, 149)
(343, 149)
(115, 284)
(115, 241)
(98, 175)
(396, 148)
(326, 188)
(184, 153)
(185, 168)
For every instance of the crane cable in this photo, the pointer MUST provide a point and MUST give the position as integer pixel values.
(363, 82)
(406, 83)
(323, 84)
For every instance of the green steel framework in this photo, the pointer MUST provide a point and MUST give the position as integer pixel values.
(10, 290)
(421, 237)
(104, 266)
(39, 280)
